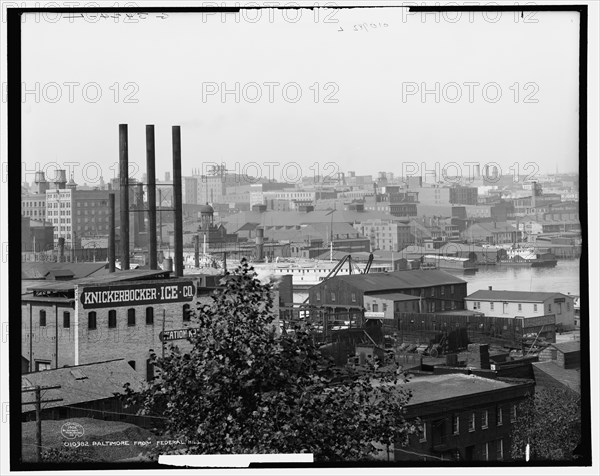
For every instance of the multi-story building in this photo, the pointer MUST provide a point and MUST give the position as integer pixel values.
(463, 195)
(75, 213)
(493, 233)
(189, 190)
(462, 417)
(523, 304)
(435, 288)
(386, 235)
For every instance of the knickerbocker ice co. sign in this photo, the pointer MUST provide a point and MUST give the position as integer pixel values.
(136, 294)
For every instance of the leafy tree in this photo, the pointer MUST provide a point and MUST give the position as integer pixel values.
(550, 421)
(245, 387)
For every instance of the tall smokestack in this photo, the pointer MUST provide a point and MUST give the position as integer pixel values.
(111, 233)
(124, 187)
(61, 249)
(260, 240)
(197, 251)
(138, 220)
(150, 170)
(177, 201)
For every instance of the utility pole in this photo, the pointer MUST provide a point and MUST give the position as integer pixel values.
(38, 414)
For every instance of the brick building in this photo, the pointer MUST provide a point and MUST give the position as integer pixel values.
(464, 417)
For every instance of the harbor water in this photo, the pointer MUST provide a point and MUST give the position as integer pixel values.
(564, 278)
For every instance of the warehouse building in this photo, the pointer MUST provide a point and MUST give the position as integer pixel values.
(126, 315)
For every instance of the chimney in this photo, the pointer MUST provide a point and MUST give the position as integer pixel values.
(61, 249)
(489, 288)
(260, 240)
(111, 233)
(124, 189)
(151, 188)
(177, 201)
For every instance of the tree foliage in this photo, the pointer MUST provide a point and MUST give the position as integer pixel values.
(550, 421)
(245, 387)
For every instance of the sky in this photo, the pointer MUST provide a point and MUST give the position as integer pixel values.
(333, 91)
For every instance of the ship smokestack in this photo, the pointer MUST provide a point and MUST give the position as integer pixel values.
(124, 188)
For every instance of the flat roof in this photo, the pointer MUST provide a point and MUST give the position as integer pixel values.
(441, 387)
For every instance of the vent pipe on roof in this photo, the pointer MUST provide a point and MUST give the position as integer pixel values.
(489, 288)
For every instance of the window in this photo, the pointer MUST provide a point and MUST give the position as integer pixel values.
(500, 450)
(492, 306)
(384, 307)
(318, 295)
(549, 307)
(132, 364)
(455, 424)
(131, 317)
(486, 451)
(66, 319)
(442, 291)
(484, 419)
(42, 318)
(520, 307)
(186, 313)
(568, 306)
(535, 307)
(499, 416)
(42, 365)
(513, 414)
(452, 289)
(112, 318)
(92, 320)
(423, 432)
(472, 422)
(332, 297)
(353, 295)
(149, 315)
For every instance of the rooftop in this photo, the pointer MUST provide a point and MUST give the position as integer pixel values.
(81, 383)
(109, 278)
(568, 377)
(567, 347)
(521, 296)
(400, 280)
(441, 387)
(397, 297)
(38, 270)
